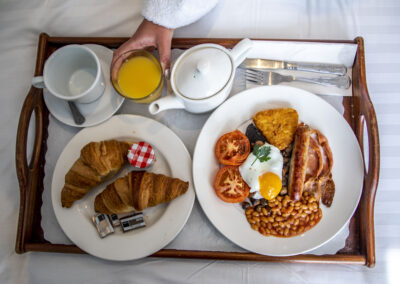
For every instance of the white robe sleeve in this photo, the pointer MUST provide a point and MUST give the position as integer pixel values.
(176, 13)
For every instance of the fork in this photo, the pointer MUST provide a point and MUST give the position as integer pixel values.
(272, 78)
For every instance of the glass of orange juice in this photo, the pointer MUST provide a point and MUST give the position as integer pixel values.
(137, 75)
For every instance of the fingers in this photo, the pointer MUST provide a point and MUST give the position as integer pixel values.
(118, 58)
(122, 53)
(144, 36)
(114, 69)
(126, 46)
(164, 52)
(148, 35)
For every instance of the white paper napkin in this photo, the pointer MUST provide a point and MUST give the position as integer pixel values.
(332, 53)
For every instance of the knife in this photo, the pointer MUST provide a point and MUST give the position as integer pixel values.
(325, 68)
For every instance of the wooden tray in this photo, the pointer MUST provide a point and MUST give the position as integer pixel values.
(359, 112)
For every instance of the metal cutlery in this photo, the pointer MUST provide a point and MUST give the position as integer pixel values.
(273, 78)
(76, 114)
(266, 64)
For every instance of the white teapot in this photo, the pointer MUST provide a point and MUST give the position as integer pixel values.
(202, 77)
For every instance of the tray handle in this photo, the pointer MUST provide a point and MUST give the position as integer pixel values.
(28, 174)
(31, 106)
(367, 117)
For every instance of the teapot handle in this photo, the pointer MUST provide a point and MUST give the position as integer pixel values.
(240, 51)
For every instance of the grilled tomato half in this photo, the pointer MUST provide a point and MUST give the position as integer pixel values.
(232, 148)
(229, 185)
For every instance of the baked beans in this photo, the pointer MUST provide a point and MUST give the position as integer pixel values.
(282, 217)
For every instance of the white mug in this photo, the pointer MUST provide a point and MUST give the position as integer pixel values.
(72, 73)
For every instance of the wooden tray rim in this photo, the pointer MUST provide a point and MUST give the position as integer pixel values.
(28, 175)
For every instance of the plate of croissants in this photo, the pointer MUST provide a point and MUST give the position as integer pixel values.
(93, 176)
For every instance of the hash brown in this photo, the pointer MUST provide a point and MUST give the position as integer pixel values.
(277, 125)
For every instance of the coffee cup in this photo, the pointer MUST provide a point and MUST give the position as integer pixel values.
(72, 73)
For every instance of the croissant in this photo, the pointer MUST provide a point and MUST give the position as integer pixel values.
(98, 162)
(137, 191)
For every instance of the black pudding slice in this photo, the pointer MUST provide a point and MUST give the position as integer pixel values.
(254, 134)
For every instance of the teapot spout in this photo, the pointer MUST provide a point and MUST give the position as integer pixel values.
(167, 102)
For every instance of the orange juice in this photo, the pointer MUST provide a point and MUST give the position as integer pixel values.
(138, 77)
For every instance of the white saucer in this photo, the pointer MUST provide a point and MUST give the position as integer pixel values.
(96, 112)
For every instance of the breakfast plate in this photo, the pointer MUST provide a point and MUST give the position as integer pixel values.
(347, 171)
(99, 110)
(163, 222)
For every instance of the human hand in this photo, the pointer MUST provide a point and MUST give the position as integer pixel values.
(149, 35)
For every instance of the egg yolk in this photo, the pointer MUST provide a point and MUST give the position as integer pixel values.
(270, 185)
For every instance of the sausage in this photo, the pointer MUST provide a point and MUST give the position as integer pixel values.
(298, 162)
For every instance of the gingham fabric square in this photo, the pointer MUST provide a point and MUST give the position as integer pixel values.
(141, 155)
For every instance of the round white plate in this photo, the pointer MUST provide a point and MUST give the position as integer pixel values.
(164, 221)
(99, 110)
(348, 168)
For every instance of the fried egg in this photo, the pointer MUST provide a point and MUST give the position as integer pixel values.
(263, 177)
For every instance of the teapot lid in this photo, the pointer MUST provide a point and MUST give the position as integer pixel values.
(202, 72)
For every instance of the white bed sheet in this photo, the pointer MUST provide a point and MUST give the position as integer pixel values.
(377, 21)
